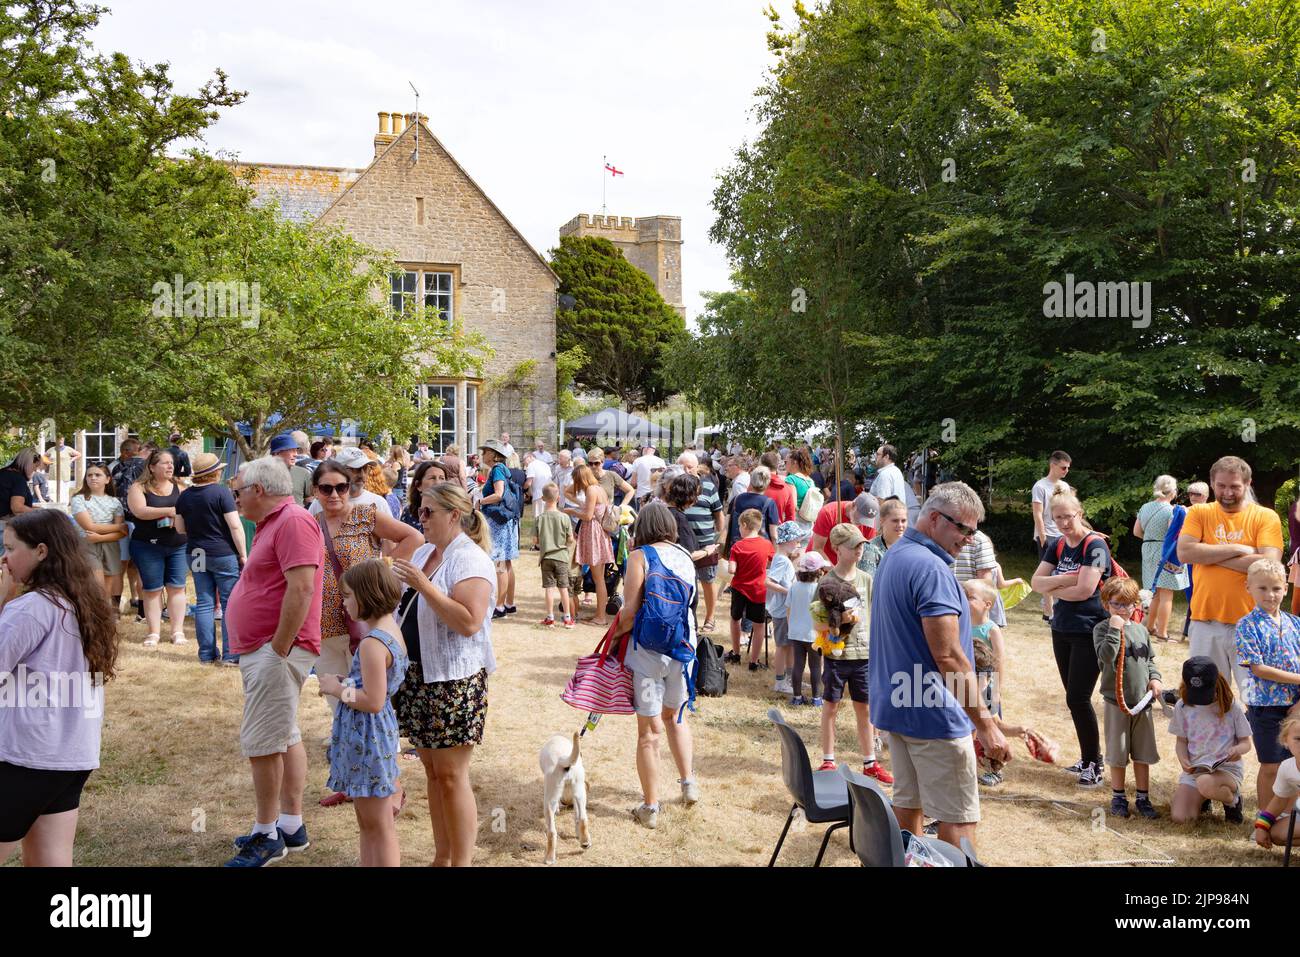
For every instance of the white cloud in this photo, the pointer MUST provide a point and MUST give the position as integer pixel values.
(528, 96)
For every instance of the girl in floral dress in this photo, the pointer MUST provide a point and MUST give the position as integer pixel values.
(363, 747)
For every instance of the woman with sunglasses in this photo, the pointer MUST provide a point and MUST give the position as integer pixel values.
(446, 621)
(425, 477)
(354, 531)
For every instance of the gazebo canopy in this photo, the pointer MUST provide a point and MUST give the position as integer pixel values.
(616, 427)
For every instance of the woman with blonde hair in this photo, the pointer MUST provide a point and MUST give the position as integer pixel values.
(594, 546)
(1151, 525)
(1071, 570)
(446, 622)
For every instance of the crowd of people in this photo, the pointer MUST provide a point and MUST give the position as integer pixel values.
(382, 577)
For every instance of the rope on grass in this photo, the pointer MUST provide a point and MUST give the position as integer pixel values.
(1068, 808)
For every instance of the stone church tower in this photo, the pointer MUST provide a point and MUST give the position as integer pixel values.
(653, 244)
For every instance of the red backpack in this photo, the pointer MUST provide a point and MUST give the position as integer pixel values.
(1116, 570)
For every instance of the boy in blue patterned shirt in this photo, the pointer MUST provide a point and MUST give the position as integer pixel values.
(1268, 646)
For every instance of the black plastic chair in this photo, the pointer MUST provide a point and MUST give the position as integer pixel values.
(1290, 838)
(822, 795)
(878, 840)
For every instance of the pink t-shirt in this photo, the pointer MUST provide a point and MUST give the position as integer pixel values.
(287, 538)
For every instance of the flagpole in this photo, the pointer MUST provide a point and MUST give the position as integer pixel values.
(604, 161)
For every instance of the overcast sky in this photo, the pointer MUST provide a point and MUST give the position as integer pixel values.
(527, 95)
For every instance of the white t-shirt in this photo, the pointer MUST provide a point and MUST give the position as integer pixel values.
(802, 595)
(739, 484)
(641, 470)
(780, 571)
(889, 483)
(539, 475)
(365, 498)
(1042, 494)
(544, 455)
(1287, 782)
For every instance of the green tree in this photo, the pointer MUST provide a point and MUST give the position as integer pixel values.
(926, 169)
(92, 211)
(618, 319)
(321, 344)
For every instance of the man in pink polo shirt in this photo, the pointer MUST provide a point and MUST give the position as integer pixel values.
(274, 617)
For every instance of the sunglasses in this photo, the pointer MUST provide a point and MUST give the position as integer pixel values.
(340, 489)
(425, 513)
(966, 530)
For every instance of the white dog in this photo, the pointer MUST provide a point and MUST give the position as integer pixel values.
(565, 782)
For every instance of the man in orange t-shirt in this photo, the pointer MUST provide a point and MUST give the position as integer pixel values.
(1223, 539)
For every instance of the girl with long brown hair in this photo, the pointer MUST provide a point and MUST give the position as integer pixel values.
(55, 621)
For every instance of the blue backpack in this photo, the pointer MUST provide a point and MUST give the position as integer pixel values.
(662, 622)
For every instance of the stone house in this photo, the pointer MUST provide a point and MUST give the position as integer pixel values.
(458, 252)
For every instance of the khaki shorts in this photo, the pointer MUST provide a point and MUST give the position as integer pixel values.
(272, 686)
(555, 573)
(1129, 737)
(106, 556)
(1217, 641)
(937, 775)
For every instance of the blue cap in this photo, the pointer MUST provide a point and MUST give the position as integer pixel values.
(283, 442)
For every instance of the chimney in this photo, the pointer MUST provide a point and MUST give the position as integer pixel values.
(384, 136)
(399, 123)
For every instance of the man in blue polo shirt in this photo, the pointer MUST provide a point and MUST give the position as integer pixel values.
(922, 684)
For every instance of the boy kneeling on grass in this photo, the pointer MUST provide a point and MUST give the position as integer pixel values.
(1128, 671)
(554, 536)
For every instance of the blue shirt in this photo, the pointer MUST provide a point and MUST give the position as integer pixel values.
(1261, 642)
(907, 694)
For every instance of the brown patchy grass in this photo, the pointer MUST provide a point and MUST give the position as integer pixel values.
(173, 788)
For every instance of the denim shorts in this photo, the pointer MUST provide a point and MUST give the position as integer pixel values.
(124, 544)
(1265, 724)
(159, 566)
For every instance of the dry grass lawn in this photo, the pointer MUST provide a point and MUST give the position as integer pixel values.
(173, 789)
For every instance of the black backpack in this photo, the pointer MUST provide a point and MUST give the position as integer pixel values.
(710, 673)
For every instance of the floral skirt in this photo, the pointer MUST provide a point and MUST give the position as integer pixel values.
(505, 540)
(441, 714)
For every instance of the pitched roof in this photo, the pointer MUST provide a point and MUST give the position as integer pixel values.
(303, 192)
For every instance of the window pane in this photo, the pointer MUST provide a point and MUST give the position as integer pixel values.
(408, 282)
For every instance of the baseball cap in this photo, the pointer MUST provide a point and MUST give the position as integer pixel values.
(1201, 676)
(351, 457)
(846, 534)
(866, 509)
(284, 442)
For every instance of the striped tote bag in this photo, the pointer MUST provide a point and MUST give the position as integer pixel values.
(601, 682)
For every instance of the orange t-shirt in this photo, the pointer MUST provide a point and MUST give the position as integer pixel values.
(1218, 593)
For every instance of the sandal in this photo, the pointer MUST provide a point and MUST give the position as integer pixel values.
(709, 625)
(335, 799)
(178, 638)
(151, 641)
(398, 810)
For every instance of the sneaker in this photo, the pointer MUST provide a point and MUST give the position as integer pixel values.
(498, 613)
(1145, 808)
(784, 686)
(646, 816)
(1090, 776)
(753, 666)
(547, 622)
(260, 851)
(230, 662)
(827, 765)
(877, 771)
(731, 658)
(816, 702)
(1118, 805)
(690, 792)
(990, 779)
(1232, 812)
(796, 701)
(511, 609)
(1075, 768)
(568, 621)
(297, 841)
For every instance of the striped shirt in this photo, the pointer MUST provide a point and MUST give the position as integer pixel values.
(702, 514)
(975, 556)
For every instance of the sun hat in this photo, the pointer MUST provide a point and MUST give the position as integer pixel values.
(495, 446)
(351, 457)
(284, 442)
(204, 463)
(788, 532)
